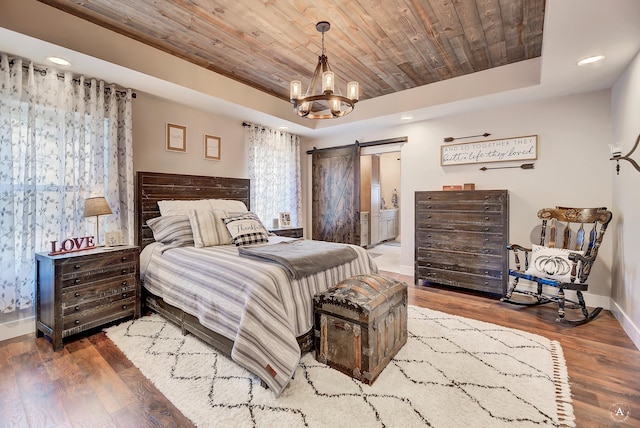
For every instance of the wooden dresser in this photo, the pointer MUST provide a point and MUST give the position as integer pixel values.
(85, 289)
(461, 239)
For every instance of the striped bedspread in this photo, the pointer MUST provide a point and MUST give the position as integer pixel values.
(256, 304)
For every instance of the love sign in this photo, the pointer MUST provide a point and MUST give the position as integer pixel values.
(71, 245)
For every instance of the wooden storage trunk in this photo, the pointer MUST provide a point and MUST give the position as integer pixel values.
(360, 324)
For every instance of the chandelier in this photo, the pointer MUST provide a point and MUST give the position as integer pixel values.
(327, 104)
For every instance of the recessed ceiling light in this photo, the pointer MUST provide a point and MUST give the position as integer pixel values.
(591, 60)
(406, 117)
(283, 128)
(59, 61)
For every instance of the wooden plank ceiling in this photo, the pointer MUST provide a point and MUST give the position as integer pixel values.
(387, 46)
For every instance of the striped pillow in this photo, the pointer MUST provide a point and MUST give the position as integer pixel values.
(208, 228)
(174, 229)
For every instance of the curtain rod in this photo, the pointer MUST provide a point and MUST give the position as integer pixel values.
(249, 125)
(43, 72)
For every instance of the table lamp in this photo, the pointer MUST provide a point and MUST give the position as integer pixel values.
(94, 207)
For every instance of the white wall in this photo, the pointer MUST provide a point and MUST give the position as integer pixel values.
(572, 168)
(626, 203)
(150, 116)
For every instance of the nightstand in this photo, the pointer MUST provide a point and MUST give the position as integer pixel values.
(289, 232)
(85, 289)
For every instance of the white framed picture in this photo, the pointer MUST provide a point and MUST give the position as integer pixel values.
(285, 219)
(112, 239)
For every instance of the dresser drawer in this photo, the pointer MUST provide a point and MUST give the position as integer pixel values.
(84, 297)
(462, 197)
(86, 265)
(458, 227)
(88, 277)
(83, 320)
(463, 217)
(476, 207)
(459, 279)
(471, 242)
(484, 265)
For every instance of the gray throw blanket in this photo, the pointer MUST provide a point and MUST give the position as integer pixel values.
(302, 257)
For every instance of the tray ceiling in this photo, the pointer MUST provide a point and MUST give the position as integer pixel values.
(387, 46)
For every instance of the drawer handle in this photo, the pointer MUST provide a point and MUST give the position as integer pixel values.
(77, 322)
(428, 216)
(124, 306)
(486, 229)
(77, 281)
(124, 295)
(486, 207)
(124, 283)
(76, 295)
(486, 283)
(486, 272)
(428, 207)
(486, 218)
(486, 239)
(124, 271)
(124, 258)
(428, 226)
(429, 197)
(76, 266)
(77, 308)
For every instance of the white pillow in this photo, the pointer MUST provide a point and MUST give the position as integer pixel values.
(176, 207)
(552, 263)
(227, 205)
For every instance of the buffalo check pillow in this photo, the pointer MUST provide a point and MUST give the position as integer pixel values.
(246, 229)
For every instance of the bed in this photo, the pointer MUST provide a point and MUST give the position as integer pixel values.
(252, 311)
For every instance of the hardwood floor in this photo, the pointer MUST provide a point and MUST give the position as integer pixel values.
(90, 383)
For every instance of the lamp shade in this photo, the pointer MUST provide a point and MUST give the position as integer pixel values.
(96, 206)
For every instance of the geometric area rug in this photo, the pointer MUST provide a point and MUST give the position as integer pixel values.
(453, 371)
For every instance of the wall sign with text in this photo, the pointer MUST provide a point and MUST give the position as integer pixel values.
(506, 149)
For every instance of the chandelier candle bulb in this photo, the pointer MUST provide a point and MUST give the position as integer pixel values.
(327, 82)
(353, 90)
(295, 89)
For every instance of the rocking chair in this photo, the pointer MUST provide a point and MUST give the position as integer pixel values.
(565, 268)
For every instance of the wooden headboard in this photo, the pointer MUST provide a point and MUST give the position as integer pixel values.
(152, 187)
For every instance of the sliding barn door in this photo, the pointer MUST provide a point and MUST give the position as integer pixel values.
(336, 194)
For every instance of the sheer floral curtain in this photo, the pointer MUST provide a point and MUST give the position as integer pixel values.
(62, 139)
(274, 170)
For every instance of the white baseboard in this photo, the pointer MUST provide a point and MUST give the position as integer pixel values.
(17, 328)
(632, 330)
(406, 270)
